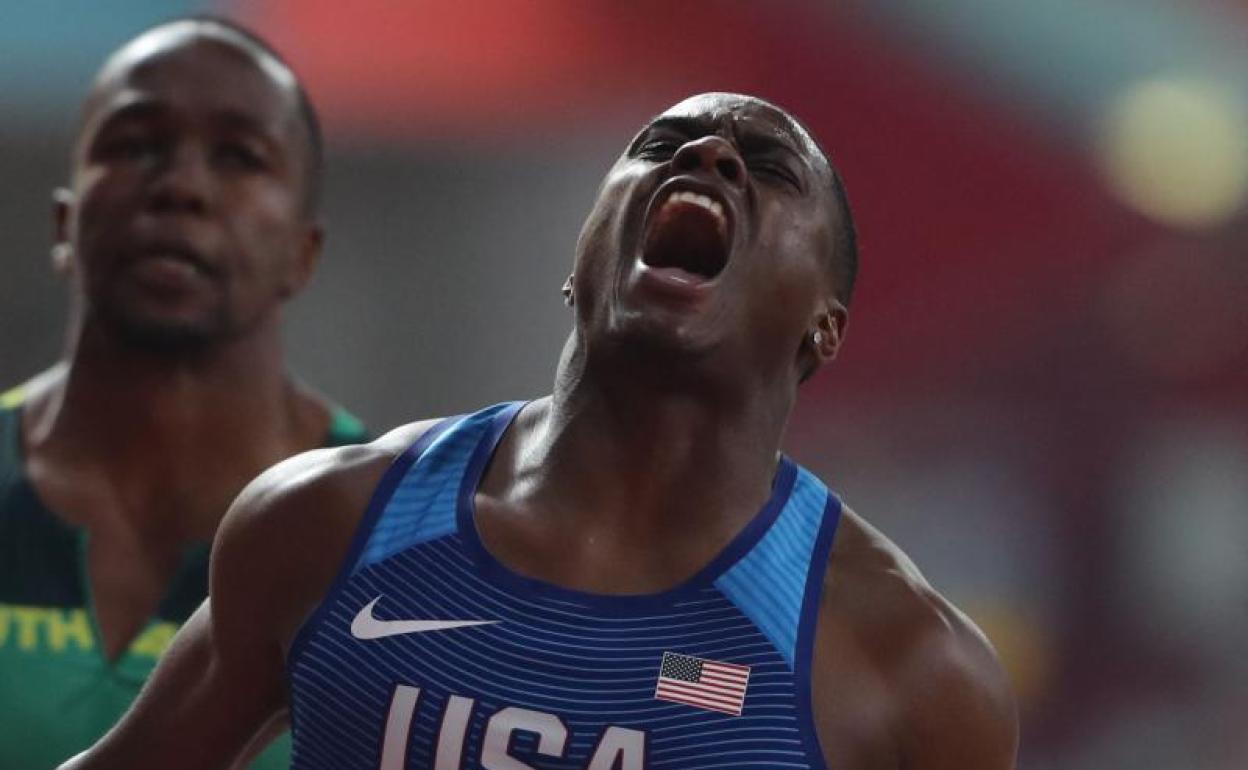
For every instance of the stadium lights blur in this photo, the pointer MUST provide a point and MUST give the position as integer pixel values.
(1176, 149)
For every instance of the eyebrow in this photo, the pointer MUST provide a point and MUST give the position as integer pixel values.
(133, 109)
(143, 108)
(683, 123)
(778, 135)
(235, 120)
(686, 126)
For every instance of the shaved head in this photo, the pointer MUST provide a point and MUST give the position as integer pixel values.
(185, 31)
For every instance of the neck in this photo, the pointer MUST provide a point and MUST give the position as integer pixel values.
(117, 433)
(643, 452)
(136, 411)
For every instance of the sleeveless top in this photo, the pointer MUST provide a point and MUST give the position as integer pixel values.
(429, 653)
(58, 691)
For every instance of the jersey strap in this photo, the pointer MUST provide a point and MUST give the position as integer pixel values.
(417, 482)
(10, 445)
(769, 584)
(778, 585)
(422, 505)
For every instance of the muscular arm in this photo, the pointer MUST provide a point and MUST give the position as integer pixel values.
(220, 686)
(903, 680)
(958, 710)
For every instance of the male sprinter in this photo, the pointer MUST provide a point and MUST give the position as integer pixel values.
(626, 574)
(188, 221)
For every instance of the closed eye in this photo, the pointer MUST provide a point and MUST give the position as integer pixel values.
(774, 171)
(129, 146)
(658, 149)
(241, 156)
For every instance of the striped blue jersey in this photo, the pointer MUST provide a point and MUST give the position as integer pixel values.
(428, 653)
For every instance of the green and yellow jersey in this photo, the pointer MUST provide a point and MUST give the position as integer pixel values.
(58, 691)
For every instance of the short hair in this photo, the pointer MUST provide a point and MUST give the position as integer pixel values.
(307, 112)
(845, 253)
(843, 261)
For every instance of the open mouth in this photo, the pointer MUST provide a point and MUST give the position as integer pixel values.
(687, 231)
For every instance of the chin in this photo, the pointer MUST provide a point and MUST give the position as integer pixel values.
(663, 334)
(167, 335)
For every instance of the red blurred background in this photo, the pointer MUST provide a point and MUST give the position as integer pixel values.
(1044, 396)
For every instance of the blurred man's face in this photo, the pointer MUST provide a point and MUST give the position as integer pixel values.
(186, 219)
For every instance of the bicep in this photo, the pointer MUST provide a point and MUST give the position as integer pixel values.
(960, 711)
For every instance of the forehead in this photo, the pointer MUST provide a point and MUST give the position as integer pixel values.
(194, 72)
(740, 112)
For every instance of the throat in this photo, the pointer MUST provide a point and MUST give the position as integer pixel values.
(607, 504)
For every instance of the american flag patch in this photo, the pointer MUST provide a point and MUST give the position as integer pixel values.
(706, 684)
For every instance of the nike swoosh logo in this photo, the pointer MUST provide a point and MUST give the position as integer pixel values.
(365, 626)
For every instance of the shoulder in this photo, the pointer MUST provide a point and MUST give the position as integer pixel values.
(24, 403)
(34, 394)
(938, 685)
(323, 422)
(344, 427)
(288, 531)
(37, 386)
(308, 485)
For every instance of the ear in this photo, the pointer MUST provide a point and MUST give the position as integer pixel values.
(831, 325)
(62, 247)
(823, 338)
(307, 257)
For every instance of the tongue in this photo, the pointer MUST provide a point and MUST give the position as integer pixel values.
(685, 235)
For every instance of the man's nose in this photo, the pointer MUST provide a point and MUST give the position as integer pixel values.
(183, 181)
(711, 153)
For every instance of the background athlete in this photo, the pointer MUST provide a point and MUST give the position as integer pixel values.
(188, 221)
(625, 574)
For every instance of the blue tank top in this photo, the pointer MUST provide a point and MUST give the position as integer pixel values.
(428, 653)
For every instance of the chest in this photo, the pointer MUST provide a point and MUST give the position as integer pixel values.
(440, 665)
(128, 582)
(63, 602)
(132, 543)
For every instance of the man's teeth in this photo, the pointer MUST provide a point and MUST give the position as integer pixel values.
(697, 199)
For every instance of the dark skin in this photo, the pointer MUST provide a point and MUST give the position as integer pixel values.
(670, 388)
(183, 231)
